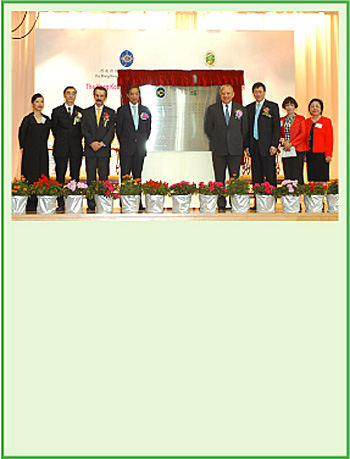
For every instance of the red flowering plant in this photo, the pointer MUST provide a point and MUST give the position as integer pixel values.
(47, 187)
(237, 185)
(155, 187)
(182, 188)
(21, 187)
(264, 188)
(216, 188)
(312, 188)
(102, 187)
(333, 187)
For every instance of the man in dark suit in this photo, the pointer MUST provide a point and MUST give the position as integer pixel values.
(66, 129)
(263, 137)
(98, 130)
(133, 128)
(226, 126)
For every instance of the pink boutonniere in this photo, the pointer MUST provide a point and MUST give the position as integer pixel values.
(266, 112)
(144, 116)
(238, 114)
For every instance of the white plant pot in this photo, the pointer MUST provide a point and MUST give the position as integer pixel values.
(240, 203)
(208, 203)
(313, 203)
(181, 203)
(46, 205)
(130, 203)
(74, 204)
(155, 203)
(290, 204)
(332, 202)
(19, 204)
(265, 203)
(104, 204)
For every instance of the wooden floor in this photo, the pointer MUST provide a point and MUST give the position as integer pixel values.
(194, 215)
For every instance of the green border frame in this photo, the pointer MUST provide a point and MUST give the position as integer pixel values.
(189, 2)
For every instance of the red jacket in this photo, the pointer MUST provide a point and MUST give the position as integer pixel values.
(297, 132)
(323, 135)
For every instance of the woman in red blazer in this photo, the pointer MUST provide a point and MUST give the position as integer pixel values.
(319, 143)
(293, 134)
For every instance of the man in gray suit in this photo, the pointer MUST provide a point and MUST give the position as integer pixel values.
(226, 126)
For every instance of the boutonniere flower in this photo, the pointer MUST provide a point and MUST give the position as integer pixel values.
(144, 116)
(77, 117)
(238, 114)
(105, 119)
(266, 112)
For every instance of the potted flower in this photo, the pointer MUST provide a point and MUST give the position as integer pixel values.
(181, 193)
(313, 196)
(20, 192)
(332, 196)
(289, 192)
(130, 194)
(265, 197)
(47, 190)
(73, 194)
(238, 190)
(208, 195)
(103, 192)
(155, 192)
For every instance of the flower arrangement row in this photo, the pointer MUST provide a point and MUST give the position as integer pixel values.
(129, 186)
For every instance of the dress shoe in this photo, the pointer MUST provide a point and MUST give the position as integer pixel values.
(222, 209)
(90, 211)
(60, 209)
(253, 208)
(141, 207)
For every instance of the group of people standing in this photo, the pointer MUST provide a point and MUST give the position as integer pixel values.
(257, 130)
(261, 133)
(97, 124)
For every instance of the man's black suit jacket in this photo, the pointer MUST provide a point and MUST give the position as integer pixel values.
(102, 133)
(268, 127)
(130, 140)
(67, 131)
(226, 139)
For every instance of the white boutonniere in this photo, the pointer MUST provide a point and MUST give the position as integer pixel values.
(238, 114)
(77, 118)
(266, 112)
(144, 116)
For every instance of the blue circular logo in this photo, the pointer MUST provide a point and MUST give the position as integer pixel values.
(126, 58)
(160, 92)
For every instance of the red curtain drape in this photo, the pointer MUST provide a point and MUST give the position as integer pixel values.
(128, 78)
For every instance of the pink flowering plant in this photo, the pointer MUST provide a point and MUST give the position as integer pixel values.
(74, 188)
(216, 188)
(264, 188)
(289, 187)
(103, 188)
(182, 188)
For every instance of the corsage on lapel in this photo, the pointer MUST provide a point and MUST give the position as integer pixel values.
(266, 112)
(144, 116)
(77, 117)
(105, 119)
(238, 114)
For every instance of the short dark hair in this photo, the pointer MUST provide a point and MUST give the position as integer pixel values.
(69, 87)
(257, 85)
(101, 88)
(36, 96)
(315, 100)
(289, 100)
(132, 87)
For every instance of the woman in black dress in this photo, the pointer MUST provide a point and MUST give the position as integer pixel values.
(33, 134)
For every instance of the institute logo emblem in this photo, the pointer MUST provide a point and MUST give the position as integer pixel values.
(126, 58)
(160, 92)
(210, 59)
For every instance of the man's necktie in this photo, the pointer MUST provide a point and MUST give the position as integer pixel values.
(69, 111)
(135, 116)
(227, 115)
(98, 116)
(256, 133)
